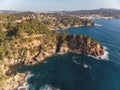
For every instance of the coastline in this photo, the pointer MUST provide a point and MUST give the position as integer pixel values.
(25, 84)
(105, 56)
(95, 24)
(62, 47)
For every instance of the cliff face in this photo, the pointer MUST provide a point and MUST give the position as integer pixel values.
(84, 45)
(62, 44)
(72, 43)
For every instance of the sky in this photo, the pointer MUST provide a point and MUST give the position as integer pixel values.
(57, 5)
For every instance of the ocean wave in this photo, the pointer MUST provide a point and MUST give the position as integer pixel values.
(86, 66)
(26, 85)
(76, 62)
(103, 57)
(29, 75)
(79, 63)
(98, 25)
(48, 87)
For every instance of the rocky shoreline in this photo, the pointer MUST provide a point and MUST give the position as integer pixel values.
(74, 26)
(28, 42)
(82, 45)
(56, 21)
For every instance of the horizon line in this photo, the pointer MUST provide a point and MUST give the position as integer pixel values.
(55, 10)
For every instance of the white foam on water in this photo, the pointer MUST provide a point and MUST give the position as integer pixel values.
(86, 66)
(98, 25)
(105, 56)
(26, 85)
(48, 87)
(21, 87)
(76, 62)
(29, 75)
(44, 61)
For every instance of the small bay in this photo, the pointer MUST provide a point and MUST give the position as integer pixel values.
(79, 72)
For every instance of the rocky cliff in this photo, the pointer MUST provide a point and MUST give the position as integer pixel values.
(64, 43)
(30, 41)
(73, 43)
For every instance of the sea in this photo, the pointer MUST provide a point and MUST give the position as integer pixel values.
(72, 71)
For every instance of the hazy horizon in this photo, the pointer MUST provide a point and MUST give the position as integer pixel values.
(53, 5)
(54, 11)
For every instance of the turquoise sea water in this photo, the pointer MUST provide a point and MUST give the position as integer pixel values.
(79, 72)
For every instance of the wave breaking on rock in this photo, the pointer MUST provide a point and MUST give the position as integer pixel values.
(105, 56)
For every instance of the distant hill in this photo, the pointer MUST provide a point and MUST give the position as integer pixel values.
(12, 11)
(103, 11)
(9, 11)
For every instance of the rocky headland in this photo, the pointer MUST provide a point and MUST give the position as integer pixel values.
(70, 43)
(30, 41)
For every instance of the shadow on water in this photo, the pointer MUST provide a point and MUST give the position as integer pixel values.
(74, 72)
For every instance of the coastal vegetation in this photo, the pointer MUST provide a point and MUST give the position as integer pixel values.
(29, 38)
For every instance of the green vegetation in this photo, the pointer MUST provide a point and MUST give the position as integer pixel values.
(26, 39)
(17, 38)
(24, 33)
(30, 27)
(55, 21)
